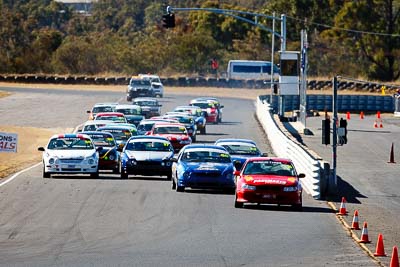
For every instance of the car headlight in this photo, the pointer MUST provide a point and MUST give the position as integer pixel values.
(290, 188)
(111, 157)
(52, 160)
(186, 174)
(91, 161)
(248, 187)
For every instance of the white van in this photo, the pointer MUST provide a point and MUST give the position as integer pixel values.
(251, 70)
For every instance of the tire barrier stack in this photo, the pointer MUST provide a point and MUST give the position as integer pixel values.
(284, 145)
(190, 81)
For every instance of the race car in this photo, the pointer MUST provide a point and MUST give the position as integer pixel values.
(121, 133)
(203, 167)
(186, 120)
(198, 116)
(150, 106)
(268, 180)
(240, 149)
(176, 133)
(116, 117)
(101, 107)
(70, 154)
(133, 113)
(108, 156)
(212, 111)
(146, 155)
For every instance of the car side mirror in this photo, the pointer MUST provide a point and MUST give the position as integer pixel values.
(236, 173)
(222, 106)
(40, 148)
(88, 111)
(120, 148)
(265, 154)
(174, 160)
(301, 175)
(99, 148)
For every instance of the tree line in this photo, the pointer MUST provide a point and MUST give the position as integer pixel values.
(126, 37)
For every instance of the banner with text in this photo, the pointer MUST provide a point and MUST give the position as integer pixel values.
(8, 142)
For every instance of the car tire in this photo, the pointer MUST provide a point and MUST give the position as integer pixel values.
(194, 138)
(173, 186)
(124, 175)
(94, 175)
(169, 176)
(203, 130)
(180, 188)
(129, 99)
(46, 174)
(238, 205)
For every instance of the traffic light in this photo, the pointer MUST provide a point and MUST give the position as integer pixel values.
(326, 132)
(168, 20)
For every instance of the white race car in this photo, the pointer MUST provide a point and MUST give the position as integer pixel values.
(70, 154)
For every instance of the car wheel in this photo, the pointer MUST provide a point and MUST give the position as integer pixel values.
(46, 174)
(173, 187)
(94, 175)
(238, 205)
(194, 138)
(116, 170)
(124, 175)
(169, 176)
(129, 99)
(180, 188)
(203, 130)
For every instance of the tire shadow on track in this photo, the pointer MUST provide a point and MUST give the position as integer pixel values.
(106, 176)
(208, 191)
(346, 190)
(307, 209)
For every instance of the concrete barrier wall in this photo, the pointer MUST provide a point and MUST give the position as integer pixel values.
(366, 103)
(284, 146)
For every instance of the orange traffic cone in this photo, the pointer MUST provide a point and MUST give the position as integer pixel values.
(375, 124)
(348, 115)
(364, 234)
(354, 224)
(394, 261)
(380, 124)
(362, 115)
(380, 250)
(378, 115)
(342, 210)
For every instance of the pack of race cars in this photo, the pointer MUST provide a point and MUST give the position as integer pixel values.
(136, 139)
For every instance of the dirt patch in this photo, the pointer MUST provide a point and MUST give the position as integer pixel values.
(29, 139)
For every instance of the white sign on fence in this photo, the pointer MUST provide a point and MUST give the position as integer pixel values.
(8, 142)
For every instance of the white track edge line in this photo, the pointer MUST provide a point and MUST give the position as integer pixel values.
(18, 173)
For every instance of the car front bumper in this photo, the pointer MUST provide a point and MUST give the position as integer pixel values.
(269, 197)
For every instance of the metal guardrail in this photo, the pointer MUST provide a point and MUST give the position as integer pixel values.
(305, 161)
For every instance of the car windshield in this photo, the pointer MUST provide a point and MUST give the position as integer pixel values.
(185, 120)
(119, 134)
(140, 82)
(111, 118)
(245, 149)
(145, 127)
(203, 105)
(269, 168)
(102, 109)
(102, 139)
(128, 111)
(145, 103)
(149, 146)
(170, 130)
(65, 143)
(206, 156)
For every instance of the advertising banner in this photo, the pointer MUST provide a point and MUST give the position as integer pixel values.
(8, 142)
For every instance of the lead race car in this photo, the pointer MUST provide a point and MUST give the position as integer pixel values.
(70, 154)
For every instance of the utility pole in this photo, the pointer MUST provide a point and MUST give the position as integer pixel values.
(333, 180)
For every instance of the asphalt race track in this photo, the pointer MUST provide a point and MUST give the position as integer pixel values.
(78, 221)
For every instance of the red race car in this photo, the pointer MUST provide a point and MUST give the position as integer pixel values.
(268, 180)
(176, 133)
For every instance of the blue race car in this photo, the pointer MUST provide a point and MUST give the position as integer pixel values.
(240, 149)
(146, 155)
(203, 167)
